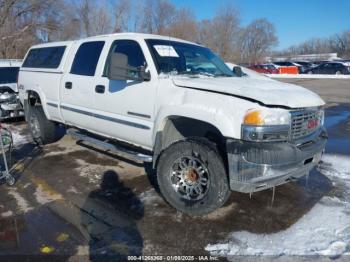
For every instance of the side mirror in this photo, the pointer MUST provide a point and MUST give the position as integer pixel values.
(143, 75)
(237, 70)
(119, 69)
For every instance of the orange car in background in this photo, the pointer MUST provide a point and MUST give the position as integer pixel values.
(265, 69)
(286, 68)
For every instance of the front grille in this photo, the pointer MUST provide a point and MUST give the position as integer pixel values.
(304, 123)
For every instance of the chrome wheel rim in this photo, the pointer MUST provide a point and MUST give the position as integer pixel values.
(190, 178)
(34, 126)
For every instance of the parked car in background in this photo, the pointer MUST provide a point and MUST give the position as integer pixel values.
(265, 69)
(344, 61)
(306, 64)
(286, 67)
(303, 66)
(321, 62)
(247, 72)
(10, 105)
(330, 68)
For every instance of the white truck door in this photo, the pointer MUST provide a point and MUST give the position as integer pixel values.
(77, 85)
(125, 108)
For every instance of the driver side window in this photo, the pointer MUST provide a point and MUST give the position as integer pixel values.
(132, 50)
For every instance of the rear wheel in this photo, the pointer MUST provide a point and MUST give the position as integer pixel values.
(42, 130)
(192, 177)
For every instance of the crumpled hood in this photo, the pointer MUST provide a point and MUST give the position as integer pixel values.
(266, 91)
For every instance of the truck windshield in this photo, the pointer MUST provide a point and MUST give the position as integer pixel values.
(8, 75)
(176, 58)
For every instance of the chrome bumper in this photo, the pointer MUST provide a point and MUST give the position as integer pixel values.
(258, 166)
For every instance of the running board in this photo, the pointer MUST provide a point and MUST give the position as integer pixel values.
(111, 147)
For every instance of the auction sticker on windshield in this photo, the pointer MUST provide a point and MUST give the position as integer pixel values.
(166, 50)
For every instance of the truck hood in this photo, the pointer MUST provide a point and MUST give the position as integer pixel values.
(266, 91)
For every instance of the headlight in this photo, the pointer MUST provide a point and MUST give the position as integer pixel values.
(258, 117)
(266, 125)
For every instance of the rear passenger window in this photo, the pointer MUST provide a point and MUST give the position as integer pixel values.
(86, 58)
(46, 57)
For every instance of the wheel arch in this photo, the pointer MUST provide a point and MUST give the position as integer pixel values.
(33, 98)
(174, 128)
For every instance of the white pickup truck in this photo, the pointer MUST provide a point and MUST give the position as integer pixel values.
(207, 129)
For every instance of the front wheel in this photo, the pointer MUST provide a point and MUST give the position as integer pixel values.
(192, 177)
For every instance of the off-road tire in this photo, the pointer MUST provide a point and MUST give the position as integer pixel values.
(218, 190)
(46, 132)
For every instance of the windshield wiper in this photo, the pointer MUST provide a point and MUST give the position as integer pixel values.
(194, 73)
(223, 74)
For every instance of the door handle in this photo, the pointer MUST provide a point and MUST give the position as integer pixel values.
(68, 85)
(100, 89)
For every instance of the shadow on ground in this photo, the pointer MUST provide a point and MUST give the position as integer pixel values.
(118, 236)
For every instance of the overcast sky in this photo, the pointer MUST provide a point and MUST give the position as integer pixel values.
(295, 20)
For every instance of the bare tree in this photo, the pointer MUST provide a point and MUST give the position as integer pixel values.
(164, 14)
(337, 43)
(257, 39)
(95, 19)
(22, 22)
(26, 22)
(123, 15)
(340, 43)
(157, 16)
(220, 33)
(184, 25)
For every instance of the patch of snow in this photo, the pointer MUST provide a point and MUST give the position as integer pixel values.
(324, 230)
(26, 185)
(21, 201)
(7, 214)
(336, 166)
(307, 76)
(44, 196)
(92, 172)
(61, 151)
(18, 138)
(72, 189)
(82, 250)
(150, 197)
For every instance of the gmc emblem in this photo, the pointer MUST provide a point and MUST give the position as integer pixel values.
(312, 123)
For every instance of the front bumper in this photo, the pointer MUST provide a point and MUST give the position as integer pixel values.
(257, 166)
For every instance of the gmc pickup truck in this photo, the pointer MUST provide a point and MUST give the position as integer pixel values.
(205, 128)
